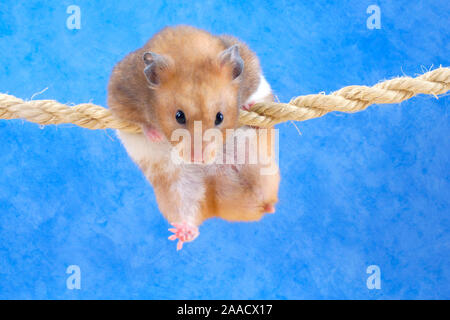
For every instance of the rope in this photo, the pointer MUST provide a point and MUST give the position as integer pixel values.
(347, 99)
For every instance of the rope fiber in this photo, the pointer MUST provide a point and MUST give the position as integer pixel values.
(347, 99)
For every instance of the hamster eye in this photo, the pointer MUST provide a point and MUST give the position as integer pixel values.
(219, 118)
(180, 117)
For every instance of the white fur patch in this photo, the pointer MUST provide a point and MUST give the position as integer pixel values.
(261, 92)
(140, 148)
(191, 189)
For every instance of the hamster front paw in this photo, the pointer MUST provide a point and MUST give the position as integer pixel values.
(248, 106)
(152, 134)
(184, 232)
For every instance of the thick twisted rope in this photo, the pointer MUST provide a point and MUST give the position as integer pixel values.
(347, 99)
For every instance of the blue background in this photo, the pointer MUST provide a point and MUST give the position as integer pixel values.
(356, 190)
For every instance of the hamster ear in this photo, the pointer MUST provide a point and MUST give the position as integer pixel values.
(232, 57)
(155, 64)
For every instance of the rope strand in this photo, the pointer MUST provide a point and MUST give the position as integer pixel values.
(347, 99)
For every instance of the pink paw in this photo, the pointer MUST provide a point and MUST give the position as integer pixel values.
(248, 106)
(269, 208)
(152, 134)
(184, 233)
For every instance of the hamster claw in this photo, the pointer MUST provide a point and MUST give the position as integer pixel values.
(248, 106)
(184, 232)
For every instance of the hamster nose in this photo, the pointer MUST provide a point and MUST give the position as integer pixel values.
(196, 155)
(206, 155)
(209, 153)
(196, 158)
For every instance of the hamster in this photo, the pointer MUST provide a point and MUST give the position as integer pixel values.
(180, 78)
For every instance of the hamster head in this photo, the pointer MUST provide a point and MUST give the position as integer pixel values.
(195, 101)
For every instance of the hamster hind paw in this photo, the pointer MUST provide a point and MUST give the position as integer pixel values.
(184, 232)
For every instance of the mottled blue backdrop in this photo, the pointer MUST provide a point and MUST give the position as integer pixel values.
(371, 188)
